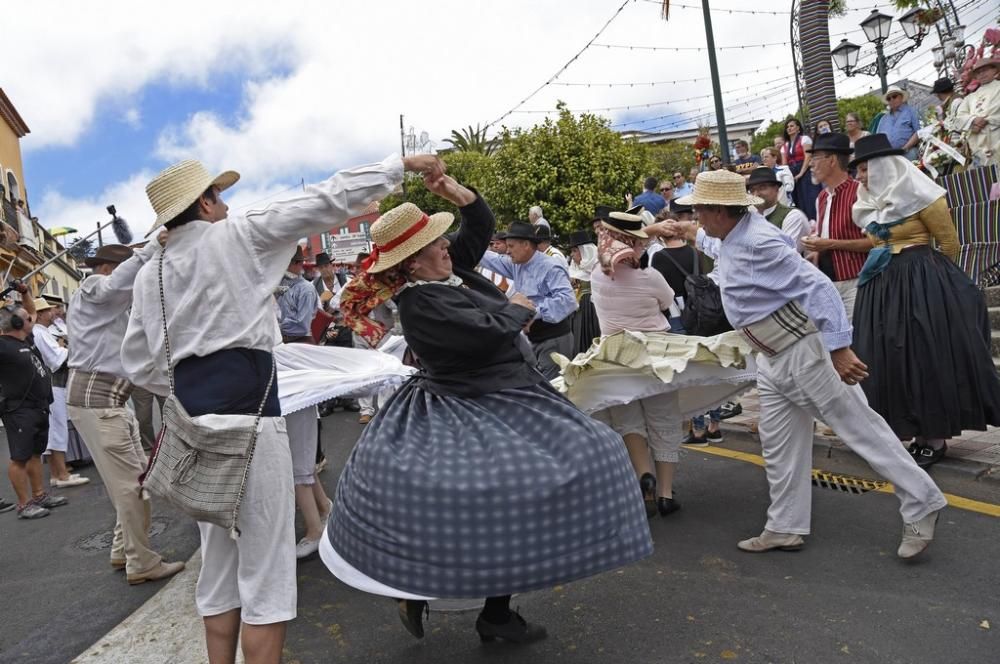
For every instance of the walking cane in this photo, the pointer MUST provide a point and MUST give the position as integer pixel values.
(118, 226)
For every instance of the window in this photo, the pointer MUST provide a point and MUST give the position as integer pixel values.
(13, 189)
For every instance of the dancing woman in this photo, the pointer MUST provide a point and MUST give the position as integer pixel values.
(459, 487)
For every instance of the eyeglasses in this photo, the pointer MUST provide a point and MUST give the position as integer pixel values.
(678, 176)
(664, 190)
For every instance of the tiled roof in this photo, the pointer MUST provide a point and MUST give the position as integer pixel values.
(11, 116)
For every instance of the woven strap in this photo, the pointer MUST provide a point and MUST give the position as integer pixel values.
(170, 376)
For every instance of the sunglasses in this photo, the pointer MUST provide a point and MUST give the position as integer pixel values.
(662, 189)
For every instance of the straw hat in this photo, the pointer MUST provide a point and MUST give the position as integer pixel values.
(403, 231)
(895, 90)
(719, 188)
(42, 304)
(176, 188)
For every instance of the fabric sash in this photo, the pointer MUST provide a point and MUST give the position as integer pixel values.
(879, 257)
(778, 331)
(87, 389)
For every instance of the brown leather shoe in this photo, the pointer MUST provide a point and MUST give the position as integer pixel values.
(161, 571)
(768, 540)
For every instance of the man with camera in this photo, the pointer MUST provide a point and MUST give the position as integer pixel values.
(26, 386)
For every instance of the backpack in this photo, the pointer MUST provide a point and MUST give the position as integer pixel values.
(703, 315)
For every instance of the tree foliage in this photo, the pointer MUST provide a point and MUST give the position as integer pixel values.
(568, 166)
(866, 106)
(472, 169)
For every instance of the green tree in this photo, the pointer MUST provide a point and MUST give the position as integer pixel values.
(672, 156)
(866, 106)
(568, 166)
(765, 139)
(471, 139)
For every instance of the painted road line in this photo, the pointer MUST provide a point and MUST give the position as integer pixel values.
(166, 629)
(989, 509)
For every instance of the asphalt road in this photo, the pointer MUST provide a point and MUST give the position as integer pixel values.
(844, 598)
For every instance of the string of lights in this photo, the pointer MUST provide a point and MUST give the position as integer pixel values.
(700, 79)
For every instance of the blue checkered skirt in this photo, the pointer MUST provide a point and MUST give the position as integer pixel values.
(475, 497)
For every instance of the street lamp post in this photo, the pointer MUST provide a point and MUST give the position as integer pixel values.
(876, 27)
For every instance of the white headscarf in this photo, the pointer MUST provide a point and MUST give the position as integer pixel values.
(896, 190)
(588, 261)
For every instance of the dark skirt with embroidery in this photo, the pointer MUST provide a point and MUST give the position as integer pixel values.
(922, 328)
(586, 327)
(504, 493)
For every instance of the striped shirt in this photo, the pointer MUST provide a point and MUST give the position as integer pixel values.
(846, 264)
(760, 272)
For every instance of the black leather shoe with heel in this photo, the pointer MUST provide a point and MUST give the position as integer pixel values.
(515, 630)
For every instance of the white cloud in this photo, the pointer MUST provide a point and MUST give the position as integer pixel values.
(325, 82)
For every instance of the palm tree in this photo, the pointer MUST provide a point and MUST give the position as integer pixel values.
(471, 139)
(820, 96)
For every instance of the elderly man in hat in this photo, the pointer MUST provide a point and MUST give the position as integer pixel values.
(900, 122)
(499, 242)
(838, 247)
(327, 285)
(545, 281)
(96, 392)
(793, 317)
(55, 353)
(978, 116)
(765, 185)
(222, 364)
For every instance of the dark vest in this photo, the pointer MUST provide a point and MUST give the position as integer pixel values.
(777, 216)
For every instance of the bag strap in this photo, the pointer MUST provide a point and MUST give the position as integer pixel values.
(235, 532)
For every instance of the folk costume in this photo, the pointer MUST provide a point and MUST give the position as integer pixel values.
(793, 317)
(585, 325)
(55, 356)
(984, 102)
(453, 490)
(222, 349)
(97, 389)
(921, 324)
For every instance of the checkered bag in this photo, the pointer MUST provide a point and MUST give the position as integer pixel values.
(201, 470)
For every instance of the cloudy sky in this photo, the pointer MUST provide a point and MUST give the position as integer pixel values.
(283, 92)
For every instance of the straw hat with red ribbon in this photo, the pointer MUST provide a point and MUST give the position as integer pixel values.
(401, 232)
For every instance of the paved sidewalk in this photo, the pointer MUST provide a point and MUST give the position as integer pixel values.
(976, 452)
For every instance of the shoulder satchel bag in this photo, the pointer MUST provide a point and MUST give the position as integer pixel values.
(199, 469)
(703, 315)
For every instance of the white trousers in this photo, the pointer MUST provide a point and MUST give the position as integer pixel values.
(58, 422)
(848, 290)
(799, 385)
(656, 418)
(303, 427)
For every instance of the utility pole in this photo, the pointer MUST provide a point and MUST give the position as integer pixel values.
(402, 148)
(720, 115)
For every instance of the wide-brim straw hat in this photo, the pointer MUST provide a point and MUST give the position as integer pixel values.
(42, 304)
(403, 231)
(895, 90)
(623, 222)
(720, 188)
(178, 186)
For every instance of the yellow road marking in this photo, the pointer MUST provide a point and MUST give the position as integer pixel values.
(989, 509)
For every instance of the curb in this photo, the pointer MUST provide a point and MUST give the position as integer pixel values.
(955, 467)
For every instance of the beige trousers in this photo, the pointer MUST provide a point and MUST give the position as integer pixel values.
(112, 436)
(142, 400)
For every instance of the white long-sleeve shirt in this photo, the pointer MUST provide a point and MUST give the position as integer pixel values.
(52, 353)
(760, 271)
(100, 315)
(219, 278)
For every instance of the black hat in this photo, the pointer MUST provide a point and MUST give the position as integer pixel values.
(322, 259)
(298, 256)
(635, 209)
(762, 175)
(576, 238)
(602, 212)
(625, 223)
(543, 232)
(943, 85)
(832, 142)
(522, 230)
(109, 253)
(499, 236)
(677, 208)
(869, 147)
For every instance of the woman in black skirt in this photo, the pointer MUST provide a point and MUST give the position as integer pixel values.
(583, 260)
(476, 479)
(919, 322)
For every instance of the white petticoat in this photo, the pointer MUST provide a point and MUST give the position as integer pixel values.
(627, 366)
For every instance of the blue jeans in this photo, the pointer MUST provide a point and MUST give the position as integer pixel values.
(699, 422)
